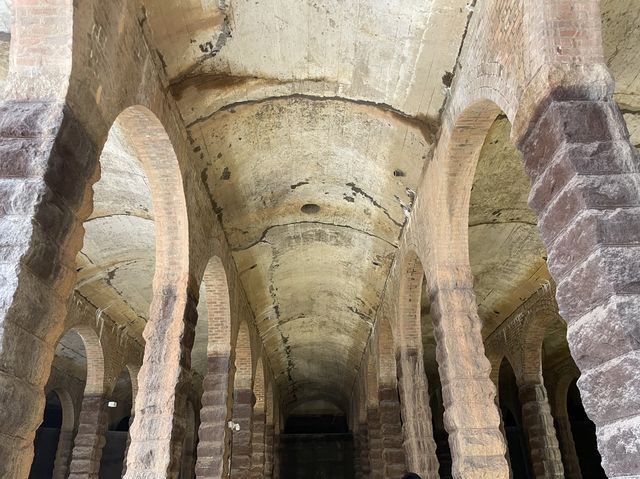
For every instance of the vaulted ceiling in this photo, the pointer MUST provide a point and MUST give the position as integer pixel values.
(311, 123)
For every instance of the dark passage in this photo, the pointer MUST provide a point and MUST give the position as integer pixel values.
(316, 447)
(46, 440)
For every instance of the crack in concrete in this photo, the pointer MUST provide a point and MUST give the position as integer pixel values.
(262, 238)
(490, 223)
(360, 191)
(427, 126)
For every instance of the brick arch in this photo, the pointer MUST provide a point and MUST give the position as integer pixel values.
(418, 442)
(133, 376)
(95, 383)
(259, 386)
(213, 431)
(495, 359)
(243, 400)
(361, 397)
(68, 409)
(243, 361)
(372, 379)
(158, 159)
(561, 392)
(534, 329)
(93, 419)
(172, 305)
(409, 320)
(218, 308)
(458, 153)
(387, 376)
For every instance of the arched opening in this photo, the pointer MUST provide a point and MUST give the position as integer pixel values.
(506, 254)
(584, 436)
(78, 364)
(511, 410)
(134, 262)
(393, 454)
(316, 442)
(210, 358)
(116, 264)
(426, 442)
(47, 436)
(258, 422)
(119, 410)
(243, 400)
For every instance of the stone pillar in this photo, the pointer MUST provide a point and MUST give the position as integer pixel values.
(48, 164)
(586, 192)
(471, 417)
(63, 454)
(375, 443)
(241, 443)
(391, 431)
(363, 441)
(357, 464)
(568, 447)
(158, 433)
(213, 429)
(541, 434)
(269, 432)
(88, 444)
(258, 444)
(419, 445)
(276, 455)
